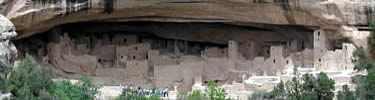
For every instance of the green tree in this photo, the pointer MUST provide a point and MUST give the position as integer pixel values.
(29, 81)
(361, 60)
(308, 87)
(214, 92)
(366, 87)
(279, 92)
(371, 39)
(294, 87)
(128, 94)
(83, 90)
(195, 95)
(4, 71)
(325, 87)
(260, 95)
(345, 94)
(305, 88)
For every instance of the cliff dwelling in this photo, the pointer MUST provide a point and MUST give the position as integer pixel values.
(163, 54)
(242, 45)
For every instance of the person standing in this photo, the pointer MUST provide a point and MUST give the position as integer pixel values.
(165, 91)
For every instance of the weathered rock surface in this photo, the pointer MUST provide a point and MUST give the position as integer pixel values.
(7, 31)
(32, 16)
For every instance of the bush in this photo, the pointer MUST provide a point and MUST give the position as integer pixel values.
(259, 95)
(214, 92)
(345, 94)
(279, 92)
(195, 95)
(128, 94)
(306, 88)
(4, 71)
(29, 81)
(83, 90)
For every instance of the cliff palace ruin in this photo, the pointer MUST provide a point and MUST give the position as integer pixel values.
(176, 44)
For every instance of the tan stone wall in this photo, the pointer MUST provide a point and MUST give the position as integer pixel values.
(165, 75)
(213, 52)
(248, 49)
(232, 50)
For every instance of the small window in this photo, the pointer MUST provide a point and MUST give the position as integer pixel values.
(125, 40)
(122, 57)
(136, 48)
(320, 60)
(318, 33)
(133, 57)
(287, 62)
(274, 61)
(99, 60)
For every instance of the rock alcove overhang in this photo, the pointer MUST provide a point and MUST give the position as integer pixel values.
(211, 32)
(216, 33)
(206, 35)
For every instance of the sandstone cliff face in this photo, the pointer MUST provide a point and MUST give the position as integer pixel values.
(7, 31)
(33, 16)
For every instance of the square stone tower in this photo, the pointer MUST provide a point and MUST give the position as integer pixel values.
(232, 49)
(320, 42)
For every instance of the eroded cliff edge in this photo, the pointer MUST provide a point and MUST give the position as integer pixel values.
(33, 16)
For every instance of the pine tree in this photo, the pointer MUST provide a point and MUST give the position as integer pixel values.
(325, 87)
(29, 81)
(345, 94)
(294, 87)
(279, 92)
(308, 87)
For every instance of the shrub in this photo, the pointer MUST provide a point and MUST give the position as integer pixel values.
(214, 92)
(128, 94)
(259, 95)
(83, 90)
(29, 81)
(345, 94)
(195, 95)
(4, 70)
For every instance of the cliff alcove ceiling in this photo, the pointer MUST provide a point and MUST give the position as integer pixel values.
(213, 32)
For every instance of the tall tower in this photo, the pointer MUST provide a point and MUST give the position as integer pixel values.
(320, 46)
(232, 50)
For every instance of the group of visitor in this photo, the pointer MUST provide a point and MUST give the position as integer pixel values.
(144, 91)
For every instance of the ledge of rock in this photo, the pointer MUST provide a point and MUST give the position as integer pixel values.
(35, 16)
(7, 32)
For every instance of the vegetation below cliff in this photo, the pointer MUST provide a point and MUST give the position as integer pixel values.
(29, 81)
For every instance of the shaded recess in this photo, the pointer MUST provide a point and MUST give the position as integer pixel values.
(206, 33)
(145, 52)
